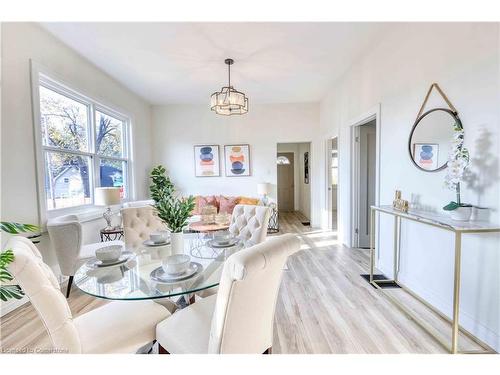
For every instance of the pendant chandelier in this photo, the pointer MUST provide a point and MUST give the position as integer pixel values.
(228, 101)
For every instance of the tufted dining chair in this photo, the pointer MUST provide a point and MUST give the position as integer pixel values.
(65, 234)
(139, 223)
(117, 327)
(239, 319)
(249, 223)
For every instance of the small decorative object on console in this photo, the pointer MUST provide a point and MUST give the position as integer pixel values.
(398, 203)
(208, 214)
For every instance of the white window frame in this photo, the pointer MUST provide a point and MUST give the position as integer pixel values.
(42, 77)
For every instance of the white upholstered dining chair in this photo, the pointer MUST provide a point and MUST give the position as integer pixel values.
(66, 236)
(239, 319)
(249, 223)
(117, 327)
(139, 223)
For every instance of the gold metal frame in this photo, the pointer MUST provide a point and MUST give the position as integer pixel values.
(455, 326)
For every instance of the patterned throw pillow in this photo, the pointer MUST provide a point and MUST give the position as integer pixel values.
(202, 201)
(249, 201)
(226, 204)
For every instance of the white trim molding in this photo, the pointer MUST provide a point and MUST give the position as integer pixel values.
(372, 114)
(42, 76)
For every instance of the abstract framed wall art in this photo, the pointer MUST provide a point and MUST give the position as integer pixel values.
(237, 160)
(206, 161)
(426, 155)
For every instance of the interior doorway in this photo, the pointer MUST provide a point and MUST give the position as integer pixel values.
(293, 179)
(365, 181)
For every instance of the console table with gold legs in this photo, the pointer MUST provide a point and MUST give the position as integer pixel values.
(438, 221)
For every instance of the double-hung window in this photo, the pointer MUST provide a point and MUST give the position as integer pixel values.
(83, 145)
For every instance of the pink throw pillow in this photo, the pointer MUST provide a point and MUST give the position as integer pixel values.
(226, 204)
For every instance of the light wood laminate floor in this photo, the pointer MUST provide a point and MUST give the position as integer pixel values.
(324, 306)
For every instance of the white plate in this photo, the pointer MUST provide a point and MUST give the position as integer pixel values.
(126, 255)
(154, 244)
(159, 275)
(230, 243)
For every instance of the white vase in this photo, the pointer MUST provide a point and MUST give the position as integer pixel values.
(177, 243)
(461, 213)
(480, 214)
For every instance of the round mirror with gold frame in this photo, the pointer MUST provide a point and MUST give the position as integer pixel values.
(430, 139)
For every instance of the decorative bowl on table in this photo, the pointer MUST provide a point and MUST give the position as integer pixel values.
(176, 264)
(159, 237)
(109, 254)
(222, 238)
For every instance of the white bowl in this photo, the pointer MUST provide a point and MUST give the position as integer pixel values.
(222, 238)
(176, 264)
(159, 237)
(109, 253)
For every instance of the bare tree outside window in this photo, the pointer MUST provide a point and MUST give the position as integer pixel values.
(69, 152)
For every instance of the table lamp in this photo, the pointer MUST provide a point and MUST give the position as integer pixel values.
(107, 196)
(264, 189)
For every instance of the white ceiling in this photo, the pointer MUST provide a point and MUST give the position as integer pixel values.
(184, 62)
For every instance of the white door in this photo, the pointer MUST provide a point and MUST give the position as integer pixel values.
(366, 186)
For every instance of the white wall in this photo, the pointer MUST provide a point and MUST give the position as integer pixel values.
(464, 60)
(20, 43)
(176, 128)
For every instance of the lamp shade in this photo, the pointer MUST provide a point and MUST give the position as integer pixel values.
(107, 196)
(263, 188)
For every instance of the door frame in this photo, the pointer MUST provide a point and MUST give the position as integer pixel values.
(329, 201)
(370, 115)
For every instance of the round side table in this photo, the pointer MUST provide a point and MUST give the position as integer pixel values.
(111, 234)
(273, 226)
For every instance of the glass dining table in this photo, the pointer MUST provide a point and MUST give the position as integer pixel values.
(134, 279)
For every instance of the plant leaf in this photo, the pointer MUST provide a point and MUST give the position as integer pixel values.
(16, 228)
(5, 275)
(10, 291)
(451, 206)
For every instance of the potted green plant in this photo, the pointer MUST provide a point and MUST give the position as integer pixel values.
(172, 209)
(7, 290)
(458, 161)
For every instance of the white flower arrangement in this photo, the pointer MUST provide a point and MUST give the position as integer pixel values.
(458, 161)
